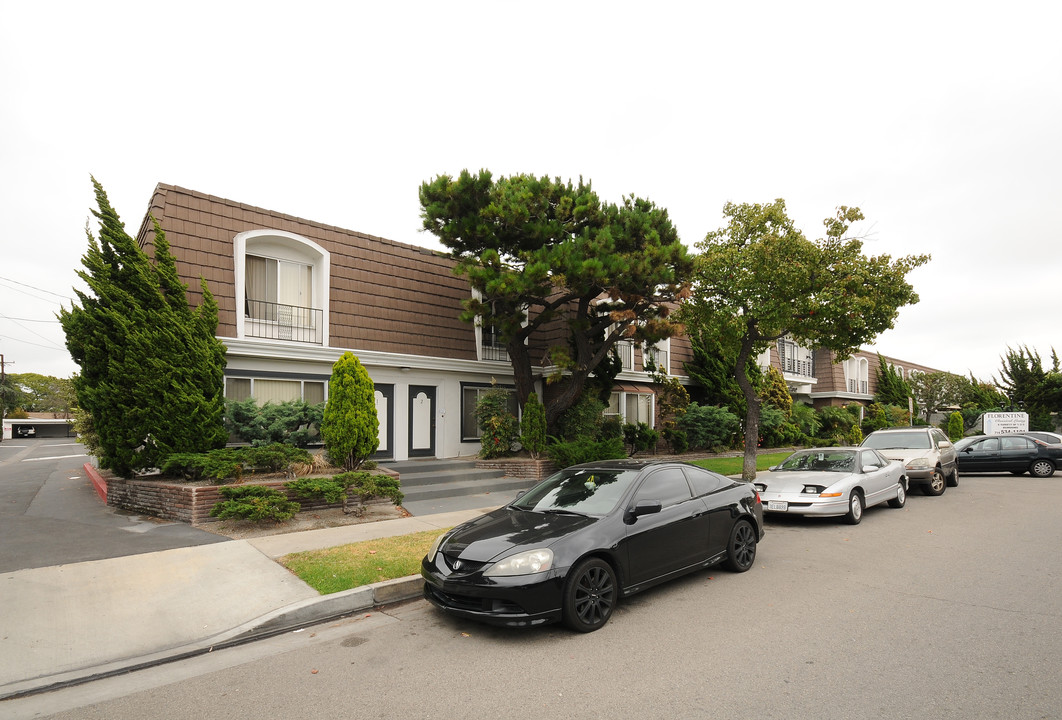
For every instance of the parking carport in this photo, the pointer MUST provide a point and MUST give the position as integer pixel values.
(44, 427)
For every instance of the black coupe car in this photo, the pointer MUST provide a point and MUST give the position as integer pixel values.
(570, 547)
(1016, 454)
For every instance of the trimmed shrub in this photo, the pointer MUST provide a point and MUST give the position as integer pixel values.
(709, 427)
(346, 487)
(498, 427)
(533, 426)
(255, 503)
(293, 423)
(566, 454)
(230, 463)
(955, 426)
(582, 420)
(640, 437)
(676, 440)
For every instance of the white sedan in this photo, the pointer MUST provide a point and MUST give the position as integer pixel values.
(832, 481)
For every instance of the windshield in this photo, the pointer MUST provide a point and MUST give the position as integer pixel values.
(914, 440)
(581, 490)
(824, 460)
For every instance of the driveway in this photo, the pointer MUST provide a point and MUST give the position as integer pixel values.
(51, 515)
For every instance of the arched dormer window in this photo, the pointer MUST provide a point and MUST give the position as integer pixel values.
(282, 283)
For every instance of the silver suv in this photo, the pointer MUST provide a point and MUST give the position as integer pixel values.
(926, 452)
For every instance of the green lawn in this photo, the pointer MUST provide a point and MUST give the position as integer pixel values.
(350, 566)
(732, 465)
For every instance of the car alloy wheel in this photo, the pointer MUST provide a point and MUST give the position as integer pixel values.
(1042, 468)
(901, 498)
(590, 595)
(741, 552)
(855, 508)
(937, 484)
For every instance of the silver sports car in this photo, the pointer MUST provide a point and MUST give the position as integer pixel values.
(832, 481)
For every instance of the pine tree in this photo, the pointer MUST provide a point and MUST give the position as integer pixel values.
(350, 427)
(152, 370)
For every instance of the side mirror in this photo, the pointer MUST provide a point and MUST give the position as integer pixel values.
(643, 507)
(870, 468)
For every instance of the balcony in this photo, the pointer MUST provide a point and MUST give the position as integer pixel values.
(493, 352)
(804, 368)
(275, 321)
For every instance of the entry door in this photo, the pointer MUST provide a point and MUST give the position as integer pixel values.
(385, 404)
(421, 421)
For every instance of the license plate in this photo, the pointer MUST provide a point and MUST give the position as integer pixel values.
(779, 505)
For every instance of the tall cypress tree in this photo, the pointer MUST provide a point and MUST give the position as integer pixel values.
(350, 427)
(151, 367)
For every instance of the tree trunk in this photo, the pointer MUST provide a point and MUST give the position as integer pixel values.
(752, 415)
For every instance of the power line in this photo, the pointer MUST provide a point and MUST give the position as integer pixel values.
(31, 287)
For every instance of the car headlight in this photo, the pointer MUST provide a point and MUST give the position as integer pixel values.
(434, 549)
(812, 490)
(525, 563)
(918, 464)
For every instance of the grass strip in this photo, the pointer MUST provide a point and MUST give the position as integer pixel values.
(363, 563)
(732, 465)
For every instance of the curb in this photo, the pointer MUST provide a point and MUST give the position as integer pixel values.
(286, 619)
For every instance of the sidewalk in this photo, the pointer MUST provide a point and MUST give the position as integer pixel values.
(72, 623)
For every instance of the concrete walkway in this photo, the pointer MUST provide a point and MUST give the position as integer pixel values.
(71, 623)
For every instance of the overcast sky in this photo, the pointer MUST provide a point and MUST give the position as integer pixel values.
(942, 121)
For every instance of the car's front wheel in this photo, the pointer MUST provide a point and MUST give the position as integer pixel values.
(590, 595)
(937, 484)
(953, 479)
(1042, 468)
(741, 551)
(855, 508)
(901, 498)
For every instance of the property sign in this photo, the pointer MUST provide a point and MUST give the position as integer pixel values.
(1006, 422)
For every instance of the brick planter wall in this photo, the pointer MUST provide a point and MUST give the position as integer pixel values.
(519, 467)
(186, 503)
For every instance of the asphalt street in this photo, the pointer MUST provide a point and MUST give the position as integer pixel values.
(948, 608)
(50, 514)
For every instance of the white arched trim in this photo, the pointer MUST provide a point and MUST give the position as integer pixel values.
(287, 247)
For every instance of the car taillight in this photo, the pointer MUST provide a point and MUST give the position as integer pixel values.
(757, 492)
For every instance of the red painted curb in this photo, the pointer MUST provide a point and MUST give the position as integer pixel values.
(97, 481)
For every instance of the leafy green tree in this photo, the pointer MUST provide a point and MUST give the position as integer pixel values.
(934, 391)
(1028, 386)
(350, 427)
(892, 388)
(43, 393)
(543, 254)
(152, 370)
(758, 278)
(974, 394)
(533, 426)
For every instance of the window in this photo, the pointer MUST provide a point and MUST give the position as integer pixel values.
(795, 360)
(631, 408)
(857, 375)
(265, 390)
(282, 284)
(470, 395)
(272, 282)
(669, 486)
(656, 357)
(704, 481)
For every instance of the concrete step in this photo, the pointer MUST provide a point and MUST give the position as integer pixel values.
(455, 488)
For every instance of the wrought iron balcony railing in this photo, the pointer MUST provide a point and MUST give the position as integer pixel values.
(276, 321)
